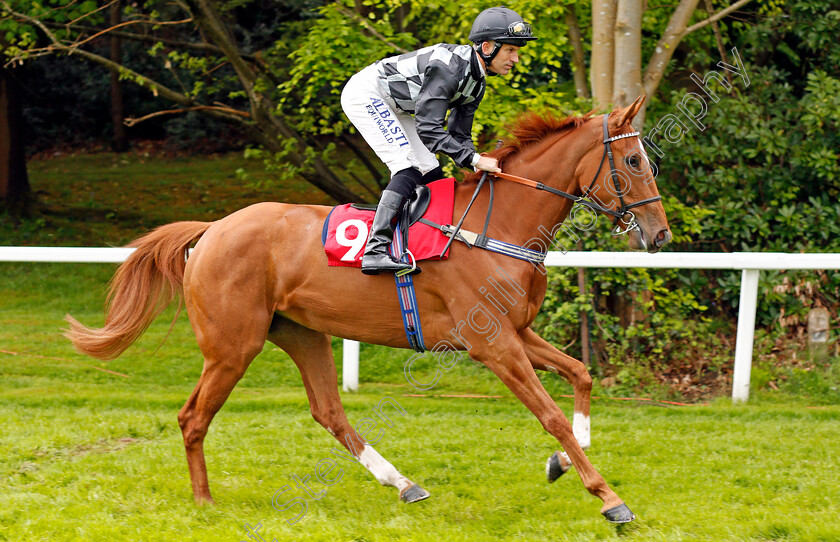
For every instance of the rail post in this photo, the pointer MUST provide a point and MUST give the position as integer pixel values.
(745, 336)
(350, 366)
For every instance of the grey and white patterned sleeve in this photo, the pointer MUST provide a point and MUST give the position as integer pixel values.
(439, 86)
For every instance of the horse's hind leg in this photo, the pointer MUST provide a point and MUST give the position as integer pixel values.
(229, 344)
(312, 353)
(545, 357)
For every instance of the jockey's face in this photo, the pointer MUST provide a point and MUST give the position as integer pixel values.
(503, 62)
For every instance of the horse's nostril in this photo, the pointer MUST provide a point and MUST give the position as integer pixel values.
(662, 238)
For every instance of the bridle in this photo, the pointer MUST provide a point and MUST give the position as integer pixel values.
(630, 223)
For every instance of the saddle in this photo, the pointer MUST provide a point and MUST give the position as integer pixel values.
(414, 208)
(346, 228)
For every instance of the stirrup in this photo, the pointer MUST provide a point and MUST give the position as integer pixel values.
(413, 269)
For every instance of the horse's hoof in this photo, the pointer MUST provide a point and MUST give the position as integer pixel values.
(554, 467)
(619, 514)
(413, 494)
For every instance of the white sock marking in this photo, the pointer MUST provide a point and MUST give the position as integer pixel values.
(381, 469)
(581, 429)
(565, 462)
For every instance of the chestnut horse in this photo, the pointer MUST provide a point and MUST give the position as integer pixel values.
(261, 274)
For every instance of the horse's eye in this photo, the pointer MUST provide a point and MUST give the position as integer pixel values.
(633, 161)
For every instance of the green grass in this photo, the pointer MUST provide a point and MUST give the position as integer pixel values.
(108, 199)
(90, 455)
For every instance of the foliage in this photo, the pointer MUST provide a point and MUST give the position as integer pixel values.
(334, 48)
(767, 165)
(672, 350)
(338, 45)
(310, 50)
(67, 105)
(763, 176)
(109, 198)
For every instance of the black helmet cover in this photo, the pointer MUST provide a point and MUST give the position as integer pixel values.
(501, 25)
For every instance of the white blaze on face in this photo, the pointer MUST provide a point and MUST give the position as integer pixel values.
(580, 427)
(383, 471)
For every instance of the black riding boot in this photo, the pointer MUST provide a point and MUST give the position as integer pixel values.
(376, 258)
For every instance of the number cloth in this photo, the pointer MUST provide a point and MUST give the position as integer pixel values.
(346, 229)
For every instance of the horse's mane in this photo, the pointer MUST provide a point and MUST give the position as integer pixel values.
(531, 128)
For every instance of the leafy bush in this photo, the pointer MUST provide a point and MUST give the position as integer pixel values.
(763, 176)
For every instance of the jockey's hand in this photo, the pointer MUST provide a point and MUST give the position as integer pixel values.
(486, 163)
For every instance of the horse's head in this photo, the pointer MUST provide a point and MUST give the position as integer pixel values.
(618, 178)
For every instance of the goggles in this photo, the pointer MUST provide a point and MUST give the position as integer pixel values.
(519, 29)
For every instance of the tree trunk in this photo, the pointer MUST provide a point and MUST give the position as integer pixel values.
(585, 356)
(402, 13)
(14, 182)
(603, 51)
(578, 59)
(665, 48)
(267, 127)
(627, 79)
(120, 140)
(363, 8)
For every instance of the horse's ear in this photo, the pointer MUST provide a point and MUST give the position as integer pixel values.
(625, 115)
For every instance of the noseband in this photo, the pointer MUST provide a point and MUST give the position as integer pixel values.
(624, 211)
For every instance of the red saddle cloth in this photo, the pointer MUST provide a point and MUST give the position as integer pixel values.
(346, 229)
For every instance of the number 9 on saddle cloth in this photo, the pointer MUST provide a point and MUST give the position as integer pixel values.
(347, 227)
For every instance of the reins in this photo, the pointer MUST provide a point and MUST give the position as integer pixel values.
(618, 215)
(530, 255)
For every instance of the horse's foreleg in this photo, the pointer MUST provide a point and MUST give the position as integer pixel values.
(312, 353)
(510, 363)
(545, 357)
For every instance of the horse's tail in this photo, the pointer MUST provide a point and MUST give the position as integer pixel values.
(143, 286)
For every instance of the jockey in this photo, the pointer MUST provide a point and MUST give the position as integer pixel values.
(399, 106)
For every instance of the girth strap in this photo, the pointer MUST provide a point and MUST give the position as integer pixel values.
(472, 239)
(406, 295)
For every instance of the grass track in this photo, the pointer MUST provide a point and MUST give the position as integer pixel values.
(109, 198)
(89, 455)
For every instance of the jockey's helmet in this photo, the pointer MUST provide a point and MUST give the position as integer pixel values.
(501, 25)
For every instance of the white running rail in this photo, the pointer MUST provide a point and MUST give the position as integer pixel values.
(749, 263)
